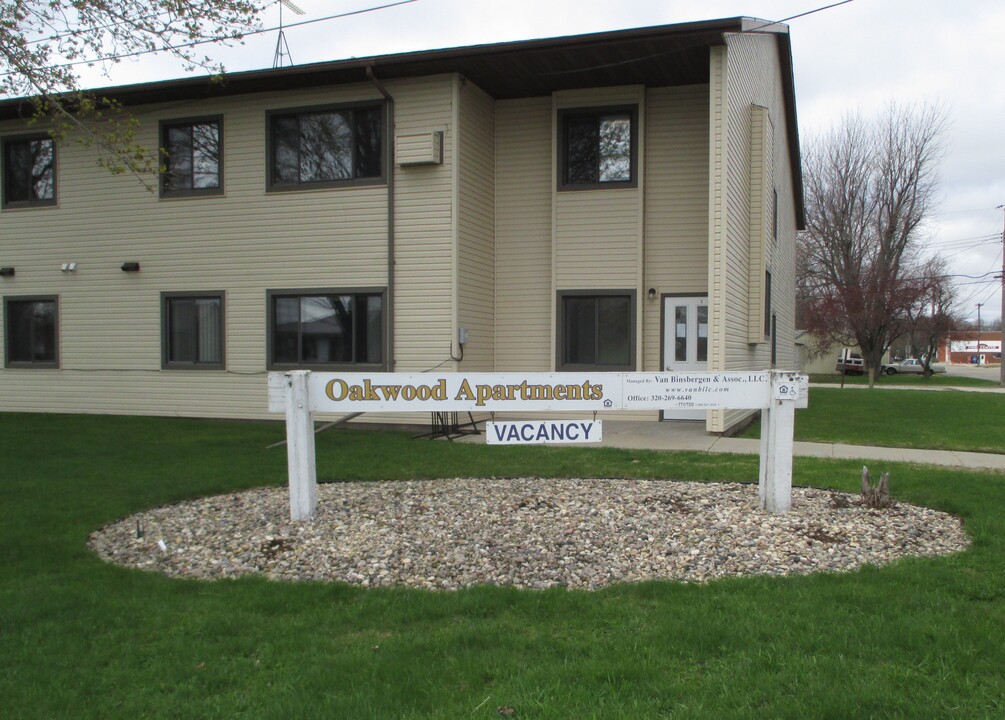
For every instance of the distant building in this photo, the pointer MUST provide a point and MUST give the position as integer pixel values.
(968, 347)
(618, 201)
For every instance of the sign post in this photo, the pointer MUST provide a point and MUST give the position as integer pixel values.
(774, 481)
(776, 393)
(300, 456)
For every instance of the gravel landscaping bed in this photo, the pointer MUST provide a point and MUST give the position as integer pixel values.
(525, 532)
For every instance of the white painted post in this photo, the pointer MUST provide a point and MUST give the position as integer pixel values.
(300, 447)
(777, 426)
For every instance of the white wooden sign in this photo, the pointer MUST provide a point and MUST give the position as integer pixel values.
(539, 432)
(527, 392)
(300, 393)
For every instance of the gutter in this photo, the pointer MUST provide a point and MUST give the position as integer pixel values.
(389, 154)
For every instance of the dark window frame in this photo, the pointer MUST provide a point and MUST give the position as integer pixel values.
(564, 184)
(767, 303)
(31, 203)
(164, 127)
(41, 364)
(774, 213)
(562, 365)
(270, 321)
(774, 340)
(271, 184)
(166, 362)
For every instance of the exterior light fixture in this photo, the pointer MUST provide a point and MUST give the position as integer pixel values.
(6, 272)
(130, 266)
(69, 267)
(652, 293)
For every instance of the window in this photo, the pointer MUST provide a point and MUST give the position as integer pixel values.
(192, 331)
(598, 148)
(596, 330)
(767, 303)
(29, 171)
(337, 328)
(193, 158)
(31, 336)
(774, 340)
(774, 213)
(326, 147)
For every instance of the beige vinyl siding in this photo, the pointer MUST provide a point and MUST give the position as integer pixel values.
(244, 243)
(597, 239)
(598, 233)
(424, 230)
(746, 72)
(523, 197)
(676, 192)
(476, 226)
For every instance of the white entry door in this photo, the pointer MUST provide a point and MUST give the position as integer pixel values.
(685, 343)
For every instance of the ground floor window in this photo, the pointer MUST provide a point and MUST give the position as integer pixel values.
(596, 330)
(326, 329)
(192, 327)
(31, 332)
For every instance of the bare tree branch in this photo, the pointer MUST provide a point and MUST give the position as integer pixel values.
(39, 39)
(869, 189)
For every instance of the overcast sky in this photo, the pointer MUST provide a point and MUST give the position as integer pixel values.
(856, 57)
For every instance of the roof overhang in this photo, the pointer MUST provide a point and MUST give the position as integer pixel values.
(659, 56)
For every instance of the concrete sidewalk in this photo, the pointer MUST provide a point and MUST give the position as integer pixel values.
(692, 436)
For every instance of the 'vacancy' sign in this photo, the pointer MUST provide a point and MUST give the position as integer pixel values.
(539, 432)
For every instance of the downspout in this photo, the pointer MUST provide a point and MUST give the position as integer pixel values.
(389, 154)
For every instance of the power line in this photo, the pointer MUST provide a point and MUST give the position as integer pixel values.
(686, 47)
(961, 212)
(220, 38)
(108, 26)
(976, 277)
(989, 296)
(794, 17)
(989, 236)
(963, 250)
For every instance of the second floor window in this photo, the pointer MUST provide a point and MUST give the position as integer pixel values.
(598, 148)
(29, 171)
(325, 147)
(193, 161)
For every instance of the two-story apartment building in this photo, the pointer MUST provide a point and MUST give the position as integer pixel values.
(624, 200)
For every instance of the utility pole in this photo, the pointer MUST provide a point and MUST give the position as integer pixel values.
(979, 334)
(1001, 351)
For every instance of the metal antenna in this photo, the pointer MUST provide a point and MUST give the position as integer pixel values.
(282, 47)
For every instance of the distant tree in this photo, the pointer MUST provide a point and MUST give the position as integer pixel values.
(43, 43)
(869, 188)
(934, 315)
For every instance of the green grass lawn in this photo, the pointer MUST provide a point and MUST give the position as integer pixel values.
(945, 420)
(83, 639)
(940, 380)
